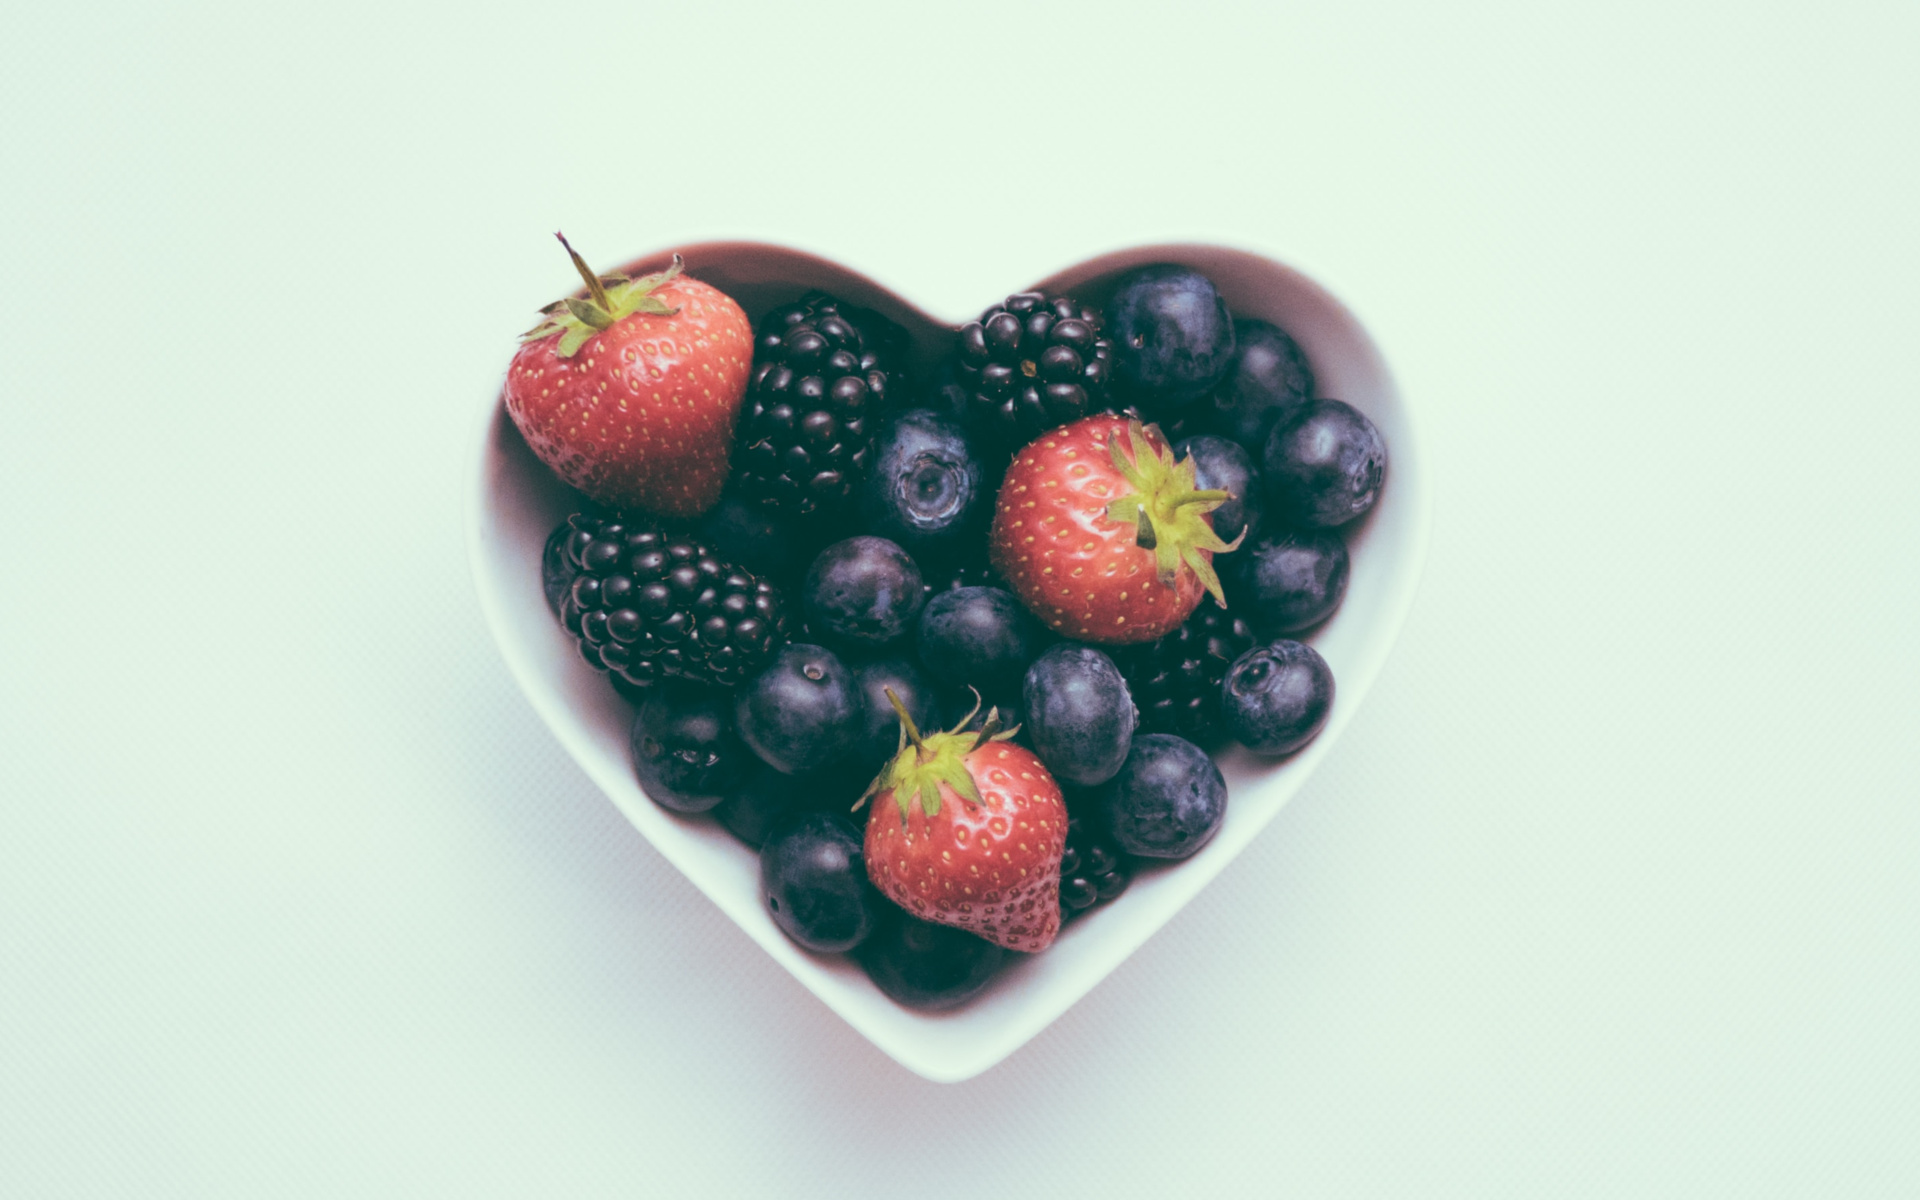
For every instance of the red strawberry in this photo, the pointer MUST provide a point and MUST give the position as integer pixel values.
(1103, 536)
(631, 395)
(967, 829)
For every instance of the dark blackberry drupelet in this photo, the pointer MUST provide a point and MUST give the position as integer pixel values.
(1033, 363)
(1176, 681)
(647, 606)
(818, 389)
(1092, 871)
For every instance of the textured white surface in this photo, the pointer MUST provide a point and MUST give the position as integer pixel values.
(1609, 890)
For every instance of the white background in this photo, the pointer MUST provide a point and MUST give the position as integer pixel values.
(1612, 889)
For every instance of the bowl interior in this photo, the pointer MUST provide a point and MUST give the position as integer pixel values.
(517, 502)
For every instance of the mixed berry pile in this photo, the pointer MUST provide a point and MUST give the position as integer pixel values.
(949, 652)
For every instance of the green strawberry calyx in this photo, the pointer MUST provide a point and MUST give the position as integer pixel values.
(925, 761)
(609, 298)
(1167, 508)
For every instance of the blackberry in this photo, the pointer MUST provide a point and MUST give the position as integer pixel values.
(819, 387)
(1176, 681)
(556, 573)
(1092, 871)
(1031, 364)
(647, 606)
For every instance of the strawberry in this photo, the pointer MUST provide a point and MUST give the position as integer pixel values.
(967, 830)
(631, 394)
(1105, 537)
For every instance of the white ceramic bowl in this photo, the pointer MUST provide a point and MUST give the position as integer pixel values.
(516, 502)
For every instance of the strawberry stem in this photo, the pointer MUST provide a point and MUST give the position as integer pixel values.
(595, 288)
(906, 723)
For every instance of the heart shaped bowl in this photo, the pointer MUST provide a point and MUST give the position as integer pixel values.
(516, 502)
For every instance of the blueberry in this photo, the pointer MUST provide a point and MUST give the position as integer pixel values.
(1219, 463)
(943, 394)
(970, 571)
(927, 966)
(770, 798)
(802, 712)
(1276, 698)
(748, 534)
(814, 878)
(1270, 384)
(862, 593)
(880, 736)
(1079, 715)
(684, 748)
(1172, 338)
(980, 636)
(927, 490)
(1325, 468)
(1287, 582)
(1168, 799)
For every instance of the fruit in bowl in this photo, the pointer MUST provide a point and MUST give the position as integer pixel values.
(630, 393)
(791, 612)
